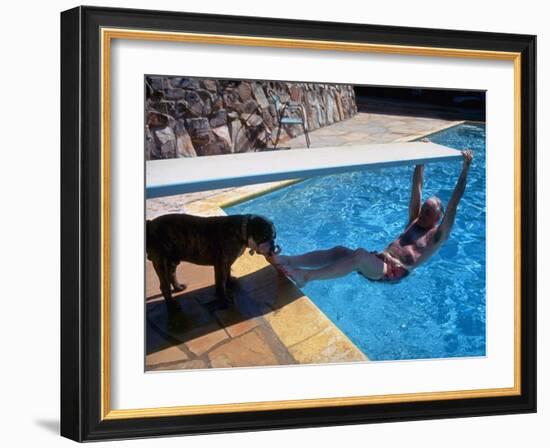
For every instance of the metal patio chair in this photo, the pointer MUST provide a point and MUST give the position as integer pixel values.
(282, 109)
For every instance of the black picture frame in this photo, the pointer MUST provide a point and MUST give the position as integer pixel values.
(81, 224)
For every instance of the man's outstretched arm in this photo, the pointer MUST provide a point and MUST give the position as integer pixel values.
(416, 193)
(444, 229)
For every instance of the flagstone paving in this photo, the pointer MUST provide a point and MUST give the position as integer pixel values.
(272, 321)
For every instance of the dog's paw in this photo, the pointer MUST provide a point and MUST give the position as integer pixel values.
(233, 283)
(173, 307)
(225, 302)
(223, 305)
(179, 287)
(217, 305)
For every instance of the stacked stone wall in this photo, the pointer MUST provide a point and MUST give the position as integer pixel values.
(190, 117)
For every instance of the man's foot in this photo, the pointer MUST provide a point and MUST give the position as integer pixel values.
(279, 260)
(298, 276)
(425, 140)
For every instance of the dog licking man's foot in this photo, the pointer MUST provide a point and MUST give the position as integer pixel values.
(278, 260)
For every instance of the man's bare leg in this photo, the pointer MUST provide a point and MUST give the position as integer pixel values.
(315, 259)
(358, 260)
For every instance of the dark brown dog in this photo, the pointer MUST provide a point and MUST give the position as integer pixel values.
(216, 241)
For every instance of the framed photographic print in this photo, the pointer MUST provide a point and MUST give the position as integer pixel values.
(274, 223)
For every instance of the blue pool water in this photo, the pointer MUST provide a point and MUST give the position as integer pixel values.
(436, 312)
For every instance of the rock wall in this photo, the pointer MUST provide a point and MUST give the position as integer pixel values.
(189, 117)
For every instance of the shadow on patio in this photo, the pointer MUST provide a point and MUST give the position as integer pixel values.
(201, 326)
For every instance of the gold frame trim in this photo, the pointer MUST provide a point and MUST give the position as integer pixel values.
(107, 35)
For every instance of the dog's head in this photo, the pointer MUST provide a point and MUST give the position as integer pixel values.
(261, 235)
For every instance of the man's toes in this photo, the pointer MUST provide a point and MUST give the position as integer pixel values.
(284, 260)
(284, 269)
(278, 260)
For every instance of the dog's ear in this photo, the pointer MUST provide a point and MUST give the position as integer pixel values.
(260, 227)
(252, 224)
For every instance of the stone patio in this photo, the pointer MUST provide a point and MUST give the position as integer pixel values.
(373, 128)
(273, 322)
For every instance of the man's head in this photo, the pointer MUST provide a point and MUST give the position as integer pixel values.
(261, 235)
(430, 213)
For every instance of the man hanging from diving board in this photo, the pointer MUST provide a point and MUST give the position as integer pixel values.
(422, 237)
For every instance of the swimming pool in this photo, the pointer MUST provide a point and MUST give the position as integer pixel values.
(436, 312)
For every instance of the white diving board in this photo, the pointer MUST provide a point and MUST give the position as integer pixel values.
(186, 175)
